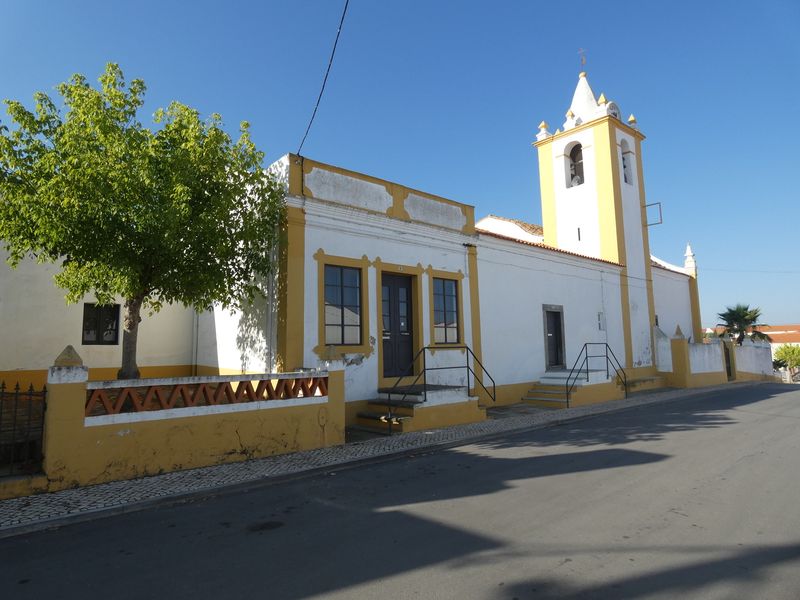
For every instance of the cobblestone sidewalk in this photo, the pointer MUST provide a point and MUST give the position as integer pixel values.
(20, 515)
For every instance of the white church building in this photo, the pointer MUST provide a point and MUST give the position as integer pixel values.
(412, 296)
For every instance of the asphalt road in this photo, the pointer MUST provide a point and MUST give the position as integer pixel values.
(696, 498)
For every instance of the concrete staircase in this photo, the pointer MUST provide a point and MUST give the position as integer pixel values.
(550, 391)
(410, 408)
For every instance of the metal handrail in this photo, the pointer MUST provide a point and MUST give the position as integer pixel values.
(423, 374)
(610, 359)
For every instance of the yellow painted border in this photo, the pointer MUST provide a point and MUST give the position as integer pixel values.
(547, 191)
(475, 316)
(415, 272)
(331, 352)
(458, 277)
(648, 267)
(301, 166)
(291, 290)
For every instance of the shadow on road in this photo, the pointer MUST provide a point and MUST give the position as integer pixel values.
(649, 422)
(743, 566)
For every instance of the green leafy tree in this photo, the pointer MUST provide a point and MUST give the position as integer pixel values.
(179, 213)
(740, 321)
(789, 356)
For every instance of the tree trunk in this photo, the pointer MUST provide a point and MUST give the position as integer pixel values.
(130, 334)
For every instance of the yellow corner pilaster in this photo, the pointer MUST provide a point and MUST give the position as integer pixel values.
(291, 291)
(547, 191)
(475, 309)
(648, 268)
(694, 298)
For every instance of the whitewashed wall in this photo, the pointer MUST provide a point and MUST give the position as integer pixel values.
(636, 256)
(516, 280)
(753, 358)
(673, 303)
(37, 324)
(343, 231)
(706, 358)
(576, 206)
(663, 350)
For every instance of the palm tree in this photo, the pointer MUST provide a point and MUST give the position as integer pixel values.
(740, 320)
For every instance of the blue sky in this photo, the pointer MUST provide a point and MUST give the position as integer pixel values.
(446, 96)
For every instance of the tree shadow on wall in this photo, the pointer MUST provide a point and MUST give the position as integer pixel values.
(254, 334)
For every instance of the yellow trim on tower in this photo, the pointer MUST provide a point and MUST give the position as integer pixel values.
(291, 285)
(694, 299)
(611, 220)
(609, 196)
(547, 192)
(337, 352)
(648, 267)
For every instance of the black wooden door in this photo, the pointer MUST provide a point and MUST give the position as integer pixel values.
(398, 339)
(555, 341)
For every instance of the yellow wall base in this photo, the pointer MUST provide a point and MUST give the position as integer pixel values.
(744, 376)
(445, 415)
(594, 394)
(14, 487)
(351, 410)
(76, 454)
(511, 393)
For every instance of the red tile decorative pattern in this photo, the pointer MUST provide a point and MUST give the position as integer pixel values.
(113, 401)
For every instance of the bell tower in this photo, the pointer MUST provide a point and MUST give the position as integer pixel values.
(593, 203)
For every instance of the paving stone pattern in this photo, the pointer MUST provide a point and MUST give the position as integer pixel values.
(33, 512)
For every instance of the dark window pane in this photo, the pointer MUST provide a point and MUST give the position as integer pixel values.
(450, 303)
(350, 277)
(387, 322)
(438, 286)
(333, 275)
(333, 294)
(350, 296)
(438, 317)
(438, 302)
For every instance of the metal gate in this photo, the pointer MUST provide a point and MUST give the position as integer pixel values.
(21, 428)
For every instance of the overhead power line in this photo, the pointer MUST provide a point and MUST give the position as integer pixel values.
(325, 80)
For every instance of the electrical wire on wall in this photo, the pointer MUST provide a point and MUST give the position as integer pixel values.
(325, 80)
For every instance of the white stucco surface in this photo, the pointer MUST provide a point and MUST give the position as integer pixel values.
(516, 280)
(433, 212)
(663, 350)
(635, 258)
(706, 358)
(673, 304)
(345, 232)
(576, 207)
(38, 324)
(343, 189)
(753, 358)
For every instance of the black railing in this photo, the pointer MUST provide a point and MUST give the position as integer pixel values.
(609, 362)
(21, 428)
(424, 371)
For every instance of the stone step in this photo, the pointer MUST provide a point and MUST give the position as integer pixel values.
(381, 421)
(406, 409)
(544, 402)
